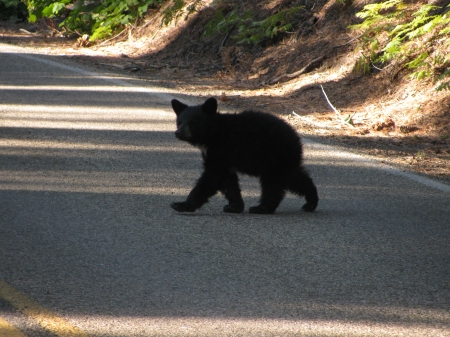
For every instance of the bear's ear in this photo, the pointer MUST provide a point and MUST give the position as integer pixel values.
(178, 107)
(210, 106)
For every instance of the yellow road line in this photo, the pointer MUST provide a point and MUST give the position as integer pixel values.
(8, 330)
(47, 319)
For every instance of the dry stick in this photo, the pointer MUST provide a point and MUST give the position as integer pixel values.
(157, 31)
(27, 32)
(348, 120)
(309, 67)
(114, 37)
(147, 23)
(226, 38)
(348, 42)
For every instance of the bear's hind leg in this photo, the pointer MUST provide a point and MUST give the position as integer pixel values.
(300, 183)
(232, 193)
(273, 192)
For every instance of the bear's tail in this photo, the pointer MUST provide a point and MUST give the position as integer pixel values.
(300, 183)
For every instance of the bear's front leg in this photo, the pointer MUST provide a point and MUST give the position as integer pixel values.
(206, 187)
(232, 193)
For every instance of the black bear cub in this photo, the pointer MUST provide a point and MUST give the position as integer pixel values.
(254, 143)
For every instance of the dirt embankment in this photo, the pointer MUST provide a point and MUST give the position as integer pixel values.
(306, 76)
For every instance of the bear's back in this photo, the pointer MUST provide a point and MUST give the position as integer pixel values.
(255, 142)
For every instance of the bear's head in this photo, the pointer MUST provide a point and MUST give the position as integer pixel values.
(194, 123)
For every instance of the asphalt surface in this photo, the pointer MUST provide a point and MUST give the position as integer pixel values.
(88, 168)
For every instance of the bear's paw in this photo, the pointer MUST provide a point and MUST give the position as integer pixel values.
(260, 210)
(233, 208)
(182, 207)
(309, 207)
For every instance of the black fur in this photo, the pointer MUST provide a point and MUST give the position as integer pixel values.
(254, 143)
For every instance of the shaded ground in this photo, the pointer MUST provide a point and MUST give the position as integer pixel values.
(401, 121)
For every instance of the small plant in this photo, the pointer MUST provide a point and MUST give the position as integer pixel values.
(394, 32)
(178, 9)
(345, 2)
(421, 155)
(224, 23)
(268, 28)
(250, 31)
(444, 85)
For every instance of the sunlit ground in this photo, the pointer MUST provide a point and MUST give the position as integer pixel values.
(201, 326)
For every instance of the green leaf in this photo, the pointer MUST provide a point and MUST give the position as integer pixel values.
(32, 18)
(100, 32)
(53, 9)
(418, 61)
(443, 86)
(420, 75)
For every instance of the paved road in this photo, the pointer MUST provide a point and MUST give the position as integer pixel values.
(88, 242)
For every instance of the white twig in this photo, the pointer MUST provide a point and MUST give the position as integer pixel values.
(347, 120)
(328, 101)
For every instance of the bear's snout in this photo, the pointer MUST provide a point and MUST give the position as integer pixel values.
(183, 133)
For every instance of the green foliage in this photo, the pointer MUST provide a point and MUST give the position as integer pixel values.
(444, 85)
(97, 18)
(102, 18)
(223, 23)
(178, 9)
(268, 28)
(395, 32)
(12, 10)
(173, 12)
(43, 8)
(249, 30)
(345, 2)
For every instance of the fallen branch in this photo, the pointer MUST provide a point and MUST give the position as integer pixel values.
(151, 66)
(27, 31)
(133, 68)
(314, 64)
(348, 42)
(308, 68)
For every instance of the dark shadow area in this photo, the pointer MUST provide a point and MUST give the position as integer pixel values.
(55, 96)
(86, 150)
